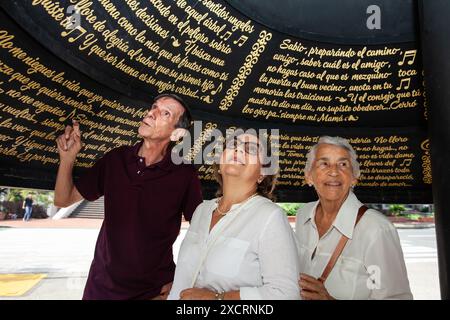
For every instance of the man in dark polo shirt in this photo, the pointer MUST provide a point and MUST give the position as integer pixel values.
(145, 195)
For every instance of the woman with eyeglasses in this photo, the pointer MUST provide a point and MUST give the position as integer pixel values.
(239, 245)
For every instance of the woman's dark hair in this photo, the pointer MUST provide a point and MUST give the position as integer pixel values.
(265, 188)
(186, 118)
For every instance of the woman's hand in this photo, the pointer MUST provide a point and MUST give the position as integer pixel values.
(312, 289)
(197, 294)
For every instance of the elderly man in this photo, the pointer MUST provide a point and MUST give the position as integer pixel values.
(145, 194)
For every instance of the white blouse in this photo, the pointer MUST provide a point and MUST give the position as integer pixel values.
(371, 265)
(251, 249)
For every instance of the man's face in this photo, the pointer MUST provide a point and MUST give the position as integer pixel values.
(161, 118)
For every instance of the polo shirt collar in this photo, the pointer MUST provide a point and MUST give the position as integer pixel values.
(165, 163)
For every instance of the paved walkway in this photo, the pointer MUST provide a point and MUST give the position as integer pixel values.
(76, 223)
(63, 250)
(79, 223)
(413, 225)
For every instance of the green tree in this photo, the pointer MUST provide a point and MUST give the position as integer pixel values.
(15, 194)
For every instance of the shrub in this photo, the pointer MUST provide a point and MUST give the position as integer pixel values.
(15, 207)
(413, 216)
(396, 209)
(290, 208)
(39, 212)
(426, 210)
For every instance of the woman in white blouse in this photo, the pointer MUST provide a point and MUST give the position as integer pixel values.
(240, 245)
(371, 264)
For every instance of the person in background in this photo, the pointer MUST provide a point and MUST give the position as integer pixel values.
(28, 206)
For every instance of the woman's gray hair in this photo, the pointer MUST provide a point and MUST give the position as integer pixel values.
(337, 141)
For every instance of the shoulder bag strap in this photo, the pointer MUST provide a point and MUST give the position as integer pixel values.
(340, 247)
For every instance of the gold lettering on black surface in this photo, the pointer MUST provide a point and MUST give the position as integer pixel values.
(132, 42)
(426, 162)
(385, 160)
(332, 85)
(245, 70)
(39, 99)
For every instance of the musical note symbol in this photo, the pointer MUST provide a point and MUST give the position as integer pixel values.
(218, 89)
(406, 163)
(240, 42)
(226, 35)
(72, 39)
(69, 116)
(207, 99)
(403, 81)
(175, 42)
(408, 53)
(73, 115)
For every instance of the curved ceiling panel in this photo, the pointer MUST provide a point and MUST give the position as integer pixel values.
(341, 22)
(304, 68)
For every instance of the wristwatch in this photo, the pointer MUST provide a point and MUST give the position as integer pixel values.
(220, 295)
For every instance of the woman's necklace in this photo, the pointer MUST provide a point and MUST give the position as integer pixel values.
(221, 213)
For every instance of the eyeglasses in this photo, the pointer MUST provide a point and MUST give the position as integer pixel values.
(249, 147)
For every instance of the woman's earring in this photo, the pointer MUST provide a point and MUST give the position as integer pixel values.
(310, 184)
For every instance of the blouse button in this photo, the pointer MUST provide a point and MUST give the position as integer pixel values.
(138, 172)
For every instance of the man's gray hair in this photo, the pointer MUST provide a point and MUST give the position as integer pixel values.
(337, 141)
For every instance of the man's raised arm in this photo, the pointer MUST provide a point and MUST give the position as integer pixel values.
(69, 144)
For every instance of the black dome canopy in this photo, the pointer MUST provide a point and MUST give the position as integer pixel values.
(306, 68)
